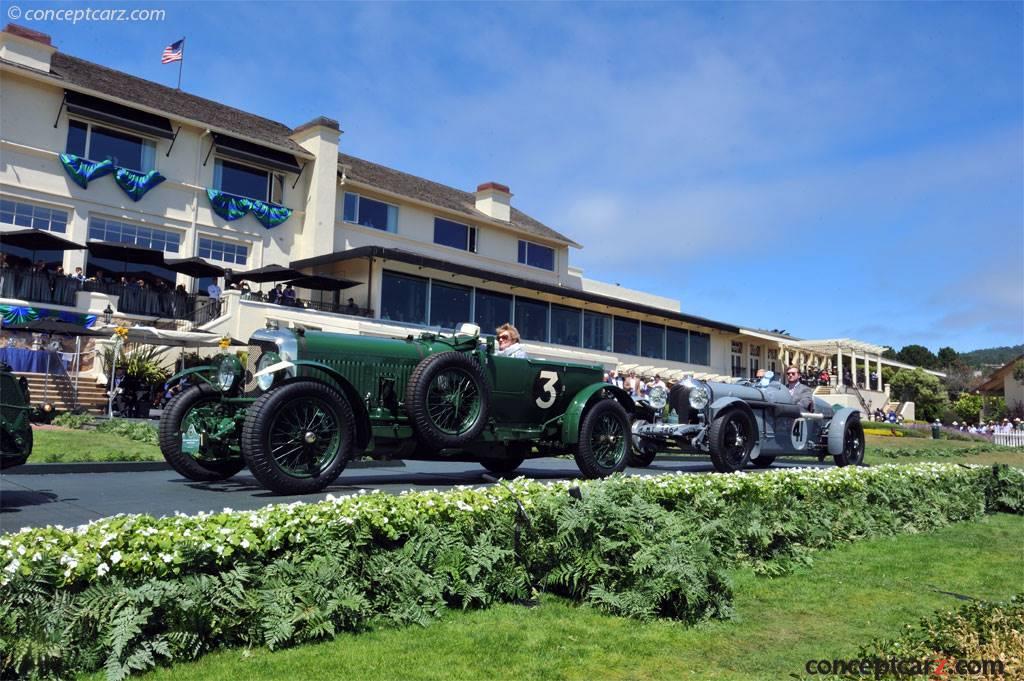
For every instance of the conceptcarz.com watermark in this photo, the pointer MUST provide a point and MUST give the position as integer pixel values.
(931, 668)
(84, 14)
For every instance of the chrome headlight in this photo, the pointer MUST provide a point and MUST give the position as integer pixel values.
(228, 372)
(657, 397)
(266, 380)
(700, 395)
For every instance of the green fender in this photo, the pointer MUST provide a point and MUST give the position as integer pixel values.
(196, 370)
(584, 398)
(358, 408)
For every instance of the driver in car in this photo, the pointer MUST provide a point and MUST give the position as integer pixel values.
(508, 342)
(802, 395)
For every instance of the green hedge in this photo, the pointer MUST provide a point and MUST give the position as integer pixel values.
(129, 592)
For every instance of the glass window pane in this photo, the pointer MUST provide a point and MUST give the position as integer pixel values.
(541, 256)
(123, 149)
(448, 233)
(373, 213)
(349, 211)
(403, 298)
(652, 340)
(676, 341)
(241, 180)
(492, 310)
(531, 319)
(565, 326)
(700, 348)
(76, 138)
(449, 305)
(522, 252)
(392, 218)
(627, 336)
(597, 331)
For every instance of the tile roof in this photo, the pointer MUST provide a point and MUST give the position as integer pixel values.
(438, 194)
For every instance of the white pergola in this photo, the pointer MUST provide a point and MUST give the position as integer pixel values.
(799, 352)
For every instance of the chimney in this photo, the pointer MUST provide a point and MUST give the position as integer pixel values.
(494, 200)
(24, 46)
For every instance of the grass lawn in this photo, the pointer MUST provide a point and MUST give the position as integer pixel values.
(926, 449)
(848, 597)
(60, 445)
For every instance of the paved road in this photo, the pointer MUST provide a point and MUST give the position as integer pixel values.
(69, 499)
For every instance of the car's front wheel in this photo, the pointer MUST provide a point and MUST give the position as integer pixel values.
(299, 437)
(731, 439)
(189, 414)
(762, 462)
(853, 444)
(604, 440)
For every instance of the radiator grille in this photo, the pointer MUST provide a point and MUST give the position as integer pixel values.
(250, 389)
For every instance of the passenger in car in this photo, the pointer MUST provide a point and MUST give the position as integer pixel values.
(508, 342)
(802, 395)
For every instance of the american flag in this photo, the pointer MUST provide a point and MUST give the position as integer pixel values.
(173, 52)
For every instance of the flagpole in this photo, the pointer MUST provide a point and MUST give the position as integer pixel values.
(181, 61)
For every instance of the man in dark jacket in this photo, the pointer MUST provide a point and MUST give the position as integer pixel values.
(802, 395)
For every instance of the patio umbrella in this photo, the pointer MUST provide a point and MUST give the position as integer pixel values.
(319, 282)
(267, 273)
(194, 267)
(38, 240)
(126, 253)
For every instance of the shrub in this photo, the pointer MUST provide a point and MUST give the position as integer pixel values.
(140, 432)
(73, 421)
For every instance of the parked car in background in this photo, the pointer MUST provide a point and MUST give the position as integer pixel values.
(15, 426)
(747, 423)
(309, 401)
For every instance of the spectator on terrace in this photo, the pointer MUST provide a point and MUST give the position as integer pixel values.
(289, 295)
(351, 307)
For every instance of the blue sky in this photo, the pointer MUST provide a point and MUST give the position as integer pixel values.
(833, 169)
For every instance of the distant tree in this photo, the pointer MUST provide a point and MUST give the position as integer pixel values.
(889, 353)
(924, 390)
(918, 355)
(946, 357)
(960, 378)
(992, 356)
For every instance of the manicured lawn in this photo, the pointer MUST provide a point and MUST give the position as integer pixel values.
(825, 611)
(926, 449)
(60, 445)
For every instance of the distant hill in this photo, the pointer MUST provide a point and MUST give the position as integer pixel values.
(990, 356)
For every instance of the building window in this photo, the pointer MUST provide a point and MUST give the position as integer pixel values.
(597, 331)
(536, 255)
(369, 213)
(565, 325)
(773, 360)
(700, 348)
(449, 305)
(29, 215)
(677, 345)
(532, 319)
(102, 229)
(248, 181)
(237, 254)
(652, 340)
(403, 298)
(455, 235)
(492, 310)
(755, 359)
(98, 143)
(627, 336)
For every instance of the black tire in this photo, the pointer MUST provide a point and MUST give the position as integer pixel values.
(642, 455)
(172, 425)
(298, 437)
(448, 399)
(731, 439)
(853, 444)
(513, 458)
(762, 462)
(10, 453)
(605, 440)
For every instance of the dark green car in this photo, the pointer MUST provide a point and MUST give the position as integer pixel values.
(15, 428)
(310, 401)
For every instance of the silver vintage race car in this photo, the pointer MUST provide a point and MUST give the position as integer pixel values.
(744, 423)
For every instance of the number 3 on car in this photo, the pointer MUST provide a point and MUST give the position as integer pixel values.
(548, 381)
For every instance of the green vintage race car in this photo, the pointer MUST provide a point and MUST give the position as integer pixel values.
(15, 428)
(309, 401)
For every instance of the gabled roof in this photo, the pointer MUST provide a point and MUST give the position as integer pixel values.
(404, 184)
(72, 72)
(994, 383)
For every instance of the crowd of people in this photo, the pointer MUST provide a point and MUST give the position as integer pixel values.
(638, 387)
(991, 428)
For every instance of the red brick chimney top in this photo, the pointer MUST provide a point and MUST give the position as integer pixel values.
(15, 29)
(495, 186)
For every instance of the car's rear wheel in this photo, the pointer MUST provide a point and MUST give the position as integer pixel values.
(731, 438)
(513, 458)
(604, 440)
(194, 408)
(853, 444)
(447, 399)
(299, 437)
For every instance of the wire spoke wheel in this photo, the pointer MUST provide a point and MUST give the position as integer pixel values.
(731, 439)
(453, 401)
(447, 399)
(605, 440)
(304, 437)
(199, 411)
(608, 440)
(853, 444)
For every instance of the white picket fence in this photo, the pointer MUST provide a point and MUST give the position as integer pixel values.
(1014, 439)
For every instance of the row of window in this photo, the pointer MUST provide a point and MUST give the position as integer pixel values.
(361, 210)
(416, 300)
(20, 214)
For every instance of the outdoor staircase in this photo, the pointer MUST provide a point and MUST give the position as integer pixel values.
(60, 392)
(823, 390)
